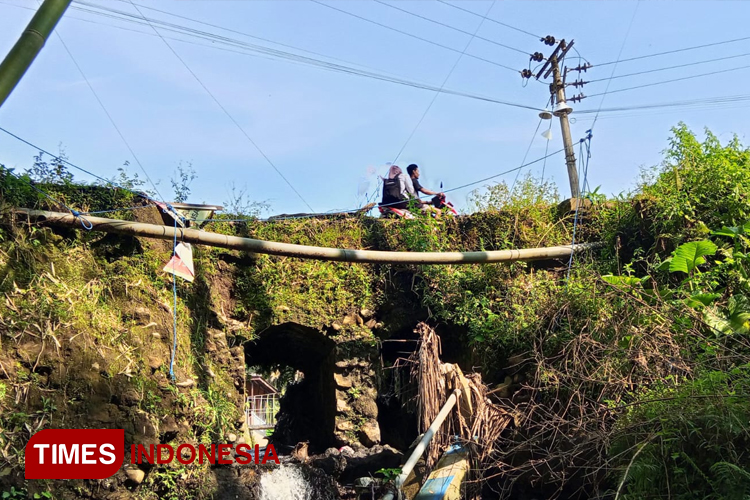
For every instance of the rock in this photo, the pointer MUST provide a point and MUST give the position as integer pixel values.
(365, 484)
(353, 319)
(343, 380)
(142, 314)
(347, 451)
(366, 313)
(336, 326)
(156, 335)
(130, 397)
(300, 452)
(331, 462)
(342, 407)
(219, 336)
(371, 324)
(344, 425)
(169, 425)
(187, 383)
(154, 362)
(366, 462)
(366, 406)
(369, 434)
(232, 437)
(95, 367)
(135, 475)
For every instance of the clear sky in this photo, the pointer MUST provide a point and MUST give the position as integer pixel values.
(330, 133)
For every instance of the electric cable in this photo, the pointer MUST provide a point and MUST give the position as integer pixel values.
(434, 97)
(109, 116)
(695, 63)
(614, 68)
(531, 142)
(452, 49)
(673, 80)
(229, 115)
(684, 49)
(459, 30)
(489, 19)
(294, 58)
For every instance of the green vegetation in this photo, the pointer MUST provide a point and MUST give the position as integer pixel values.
(630, 379)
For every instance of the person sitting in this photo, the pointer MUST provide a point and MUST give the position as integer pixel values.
(397, 189)
(413, 171)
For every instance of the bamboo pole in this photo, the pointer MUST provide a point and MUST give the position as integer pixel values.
(302, 251)
(29, 44)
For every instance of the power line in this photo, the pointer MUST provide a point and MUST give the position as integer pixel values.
(457, 188)
(230, 30)
(506, 172)
(406, 33)
(489, 19)
(687, 103)
(285, 55)
(109, 116)
(228, 114)
(453, 27)
(453, 68)
(92, 174)
(531, 143)
(614, 68)
(673, 80)
(695, 63)
(695, 47)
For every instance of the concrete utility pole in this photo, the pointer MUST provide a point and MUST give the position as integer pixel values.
(558, 89)
(561, 108)
(29, 44)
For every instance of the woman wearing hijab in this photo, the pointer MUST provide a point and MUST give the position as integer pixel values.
(397, 188)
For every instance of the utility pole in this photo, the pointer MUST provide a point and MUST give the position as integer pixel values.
(561, 109)
(558, 89)
(29, 44)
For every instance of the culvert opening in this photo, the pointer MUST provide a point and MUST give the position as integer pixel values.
(307, 405)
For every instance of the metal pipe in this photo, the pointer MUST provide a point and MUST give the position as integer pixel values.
(422, 446)
(29, 44)
(303, 251)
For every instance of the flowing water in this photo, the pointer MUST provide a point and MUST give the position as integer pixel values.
(288, 482)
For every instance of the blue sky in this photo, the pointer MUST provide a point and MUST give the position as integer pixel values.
(331, 133)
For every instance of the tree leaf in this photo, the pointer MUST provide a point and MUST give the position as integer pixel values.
(690, 255)
(664, 266)
(700, 300)
(623, 280)
(734, 231)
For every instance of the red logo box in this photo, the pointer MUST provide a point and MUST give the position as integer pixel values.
(75, 453)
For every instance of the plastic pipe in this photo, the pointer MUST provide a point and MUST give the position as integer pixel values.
(422, 446)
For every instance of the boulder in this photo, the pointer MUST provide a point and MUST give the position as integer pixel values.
(342, 380)
(367, 462)
(135, 476)
(369, 433)
(366, 406)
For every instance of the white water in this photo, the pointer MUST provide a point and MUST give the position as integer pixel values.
(285, 483)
